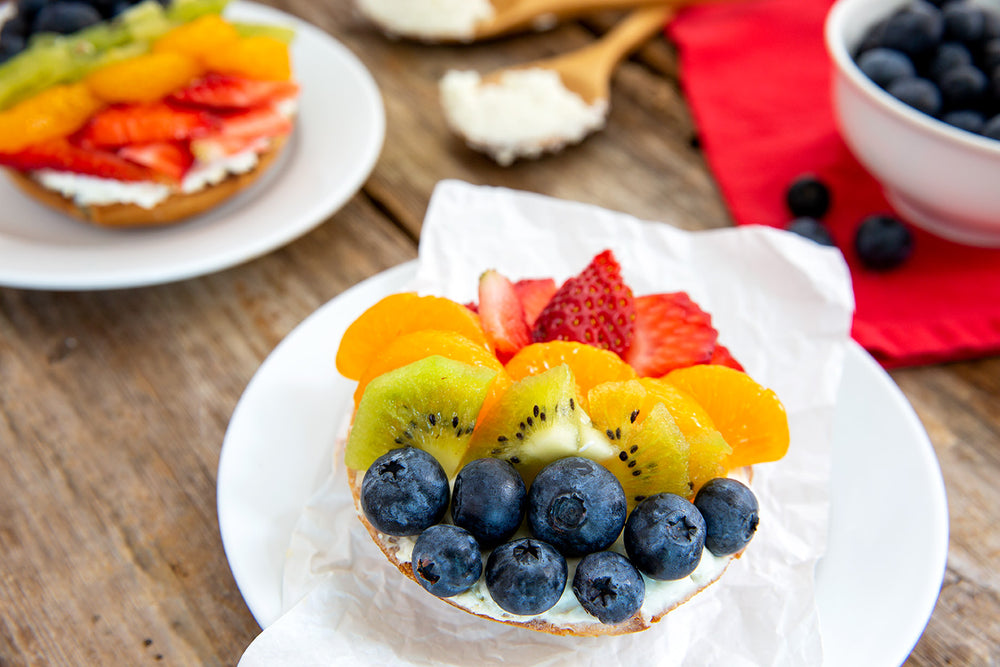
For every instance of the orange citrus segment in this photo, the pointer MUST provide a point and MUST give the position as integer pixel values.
(146, 78)
(395, 316)
(52, 114)
(198, 38)
(257, 57)
(750, 417)
(590, 365)
(415, 346)
(709, 450)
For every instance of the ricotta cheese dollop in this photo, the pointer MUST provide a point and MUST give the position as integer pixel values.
(428, 19)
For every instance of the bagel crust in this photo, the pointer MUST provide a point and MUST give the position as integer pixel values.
(178, 206)
(391, 548)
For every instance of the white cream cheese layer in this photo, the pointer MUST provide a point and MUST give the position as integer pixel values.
(428, 19)
(92, 191)
(524, 114)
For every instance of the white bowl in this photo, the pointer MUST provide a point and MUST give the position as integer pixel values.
(938, 177)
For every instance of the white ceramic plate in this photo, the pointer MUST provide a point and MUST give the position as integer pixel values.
(338, 138)
(876, 586)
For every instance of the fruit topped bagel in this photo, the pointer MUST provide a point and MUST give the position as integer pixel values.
(126, 114)
(572, 459)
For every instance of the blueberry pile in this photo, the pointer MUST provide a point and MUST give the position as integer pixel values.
(941, 57)
(62, 17)
(575, 508)
(881, 242)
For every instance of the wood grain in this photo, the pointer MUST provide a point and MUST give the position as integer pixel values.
(113, 405)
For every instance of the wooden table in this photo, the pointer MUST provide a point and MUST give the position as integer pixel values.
(113, 405)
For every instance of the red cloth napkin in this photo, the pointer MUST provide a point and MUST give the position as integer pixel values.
(757, 78)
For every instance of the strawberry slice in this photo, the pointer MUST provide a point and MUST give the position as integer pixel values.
(721, 356)
(595, 307)
(143, 124)
(253, 124)
(222, 91)
(671, 331)
(534, 295)
(173, 160)
(61, 155)
(502, 315)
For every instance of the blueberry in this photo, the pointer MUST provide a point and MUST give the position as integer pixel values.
(948, 56)
(915, 30)
(991, 25)
(965, 119)
(963, 22)
(989, 55)
(963, 87)
(447, 560)
(871, 39)
(608, 587)
(812, 229)
(808, 196)
(883, 242)
(730, 510)
(526, 576)
(992, 128)
(664, 537)
(489, 500)
(65, 17)
(29, 8)
(577, 506)
(12, 38)
(883, 66)
(918, 93)
(404, 492)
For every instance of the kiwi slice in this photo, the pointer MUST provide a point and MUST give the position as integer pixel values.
(652, 458)
(536, 421)
(431, 404)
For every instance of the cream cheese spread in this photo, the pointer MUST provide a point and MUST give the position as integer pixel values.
(428, 19)
(93, 191)
(524, 114)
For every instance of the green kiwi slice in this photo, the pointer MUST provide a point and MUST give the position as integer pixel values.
(652, 458)
(431, 404)
(536, 421)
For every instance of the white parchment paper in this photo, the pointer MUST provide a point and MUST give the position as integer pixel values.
(782, 305)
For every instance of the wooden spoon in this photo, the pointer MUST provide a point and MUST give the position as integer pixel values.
(587, 71)
(508, 16)
(542, 106)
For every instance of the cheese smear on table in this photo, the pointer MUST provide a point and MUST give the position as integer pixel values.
(526, 113)
(429, 19)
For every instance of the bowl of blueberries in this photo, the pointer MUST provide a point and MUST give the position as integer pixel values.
(916, 95)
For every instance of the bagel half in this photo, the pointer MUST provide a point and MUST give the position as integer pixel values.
(577, 623)
(178, 206)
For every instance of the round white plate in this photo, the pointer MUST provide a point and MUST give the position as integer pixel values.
(876, 586)
(338, 138)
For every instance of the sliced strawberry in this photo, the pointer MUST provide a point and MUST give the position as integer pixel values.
(721, 356)
(671, 331)
(61, 155)
(594, 307)
(253, 124)
(534, 295)
(223, 91)
(170, 159)
(143, 124)
(501, 315)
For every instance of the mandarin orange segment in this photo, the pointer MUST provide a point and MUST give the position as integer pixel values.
(145, 78)
(415, 346)
(751, 417)
(591, 366)
(257, 57)
(709, 451)
(198, 38)
(52, 114)
(395, 316)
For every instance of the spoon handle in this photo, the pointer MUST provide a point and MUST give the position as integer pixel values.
(523, 13)
(632, 31)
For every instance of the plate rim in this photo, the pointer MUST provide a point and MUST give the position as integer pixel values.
(178, 267)
(397, 277)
